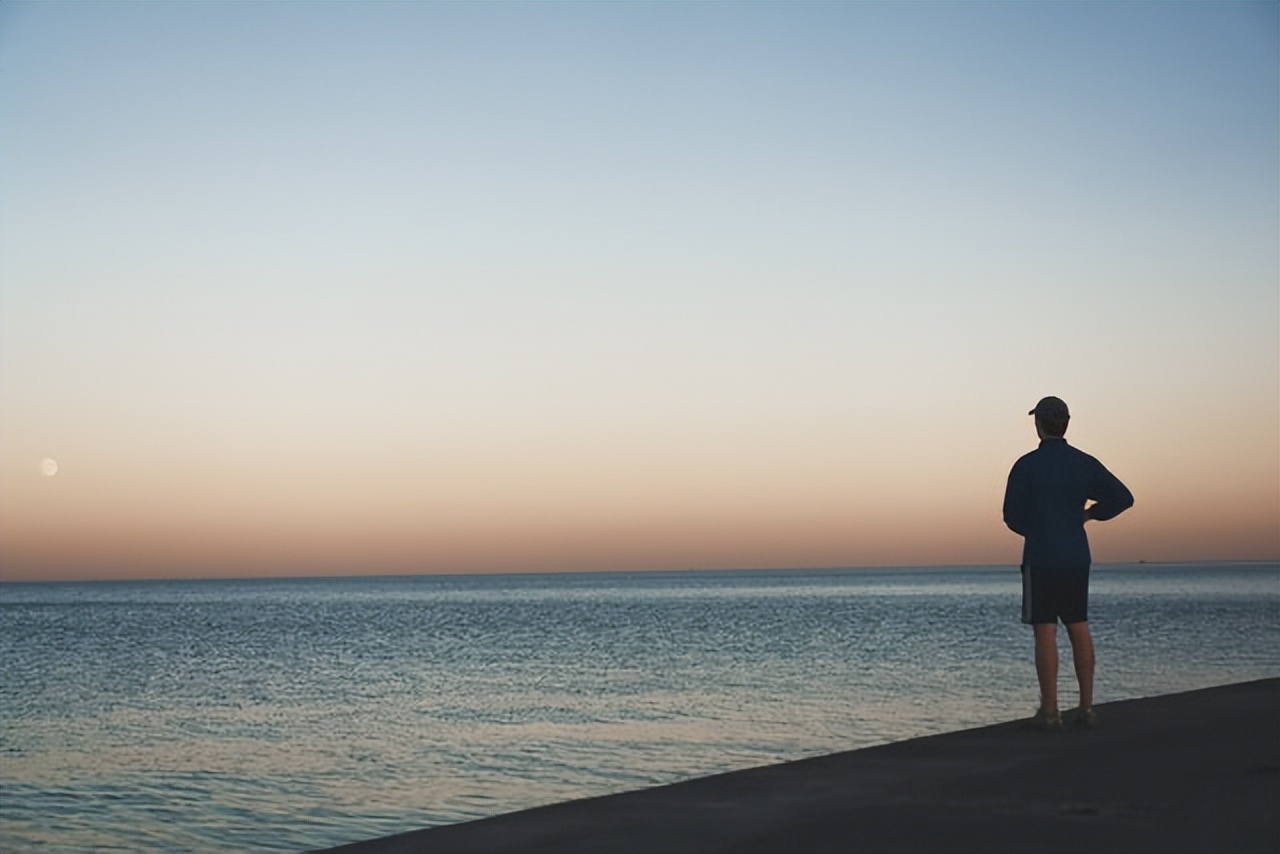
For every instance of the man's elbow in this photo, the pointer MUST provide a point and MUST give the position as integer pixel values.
(1125, 502)
(1112, 509)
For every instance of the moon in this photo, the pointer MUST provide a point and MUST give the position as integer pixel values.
(48, 467)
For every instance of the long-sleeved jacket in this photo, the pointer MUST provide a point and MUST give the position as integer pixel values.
(1045, 497)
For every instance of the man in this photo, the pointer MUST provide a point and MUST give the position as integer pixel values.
(1047, 502)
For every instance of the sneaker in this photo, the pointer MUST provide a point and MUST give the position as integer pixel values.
(1084, 718)
(1047, 721)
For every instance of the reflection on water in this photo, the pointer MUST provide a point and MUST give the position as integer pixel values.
(283, 715)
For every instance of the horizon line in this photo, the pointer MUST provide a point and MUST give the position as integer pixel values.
(656, 571)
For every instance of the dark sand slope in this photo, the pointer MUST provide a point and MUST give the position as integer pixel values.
(1194, 772)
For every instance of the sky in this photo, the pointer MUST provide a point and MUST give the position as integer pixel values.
(346, 288)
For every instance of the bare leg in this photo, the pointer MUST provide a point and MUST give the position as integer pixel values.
(1047, 664)
(1082, 653)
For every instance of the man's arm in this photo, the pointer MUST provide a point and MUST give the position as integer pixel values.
(1015, 514)
(1110, 496)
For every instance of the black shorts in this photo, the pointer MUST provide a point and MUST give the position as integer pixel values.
(1050, 595)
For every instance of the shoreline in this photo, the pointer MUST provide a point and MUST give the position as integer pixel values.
(1188, 772)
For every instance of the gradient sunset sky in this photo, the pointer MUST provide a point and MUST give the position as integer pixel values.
(316, 288)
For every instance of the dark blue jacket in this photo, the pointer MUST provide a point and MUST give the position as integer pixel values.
(1045, 498)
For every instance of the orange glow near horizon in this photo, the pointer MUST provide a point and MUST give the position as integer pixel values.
(645, 510)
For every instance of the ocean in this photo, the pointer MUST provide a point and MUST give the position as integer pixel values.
(286, 715)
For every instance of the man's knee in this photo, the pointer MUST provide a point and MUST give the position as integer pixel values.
(1045, 632)
(1081, 639)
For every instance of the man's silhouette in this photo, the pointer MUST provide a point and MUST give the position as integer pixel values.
(1047, 502)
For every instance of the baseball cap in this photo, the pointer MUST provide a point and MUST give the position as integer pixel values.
(1051, 408)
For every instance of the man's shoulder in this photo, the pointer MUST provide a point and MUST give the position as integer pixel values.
(1053, 454)
(1065, 448)
(1029, 455)
(1081, 455)
(1027, 460)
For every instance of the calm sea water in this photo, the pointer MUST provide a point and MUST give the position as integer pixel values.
(282, 715)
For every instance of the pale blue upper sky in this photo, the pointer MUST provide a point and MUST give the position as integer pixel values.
(559, 235)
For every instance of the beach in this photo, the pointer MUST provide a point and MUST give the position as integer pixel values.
(1195, 771)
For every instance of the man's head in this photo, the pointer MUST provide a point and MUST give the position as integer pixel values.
(1051, 416)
